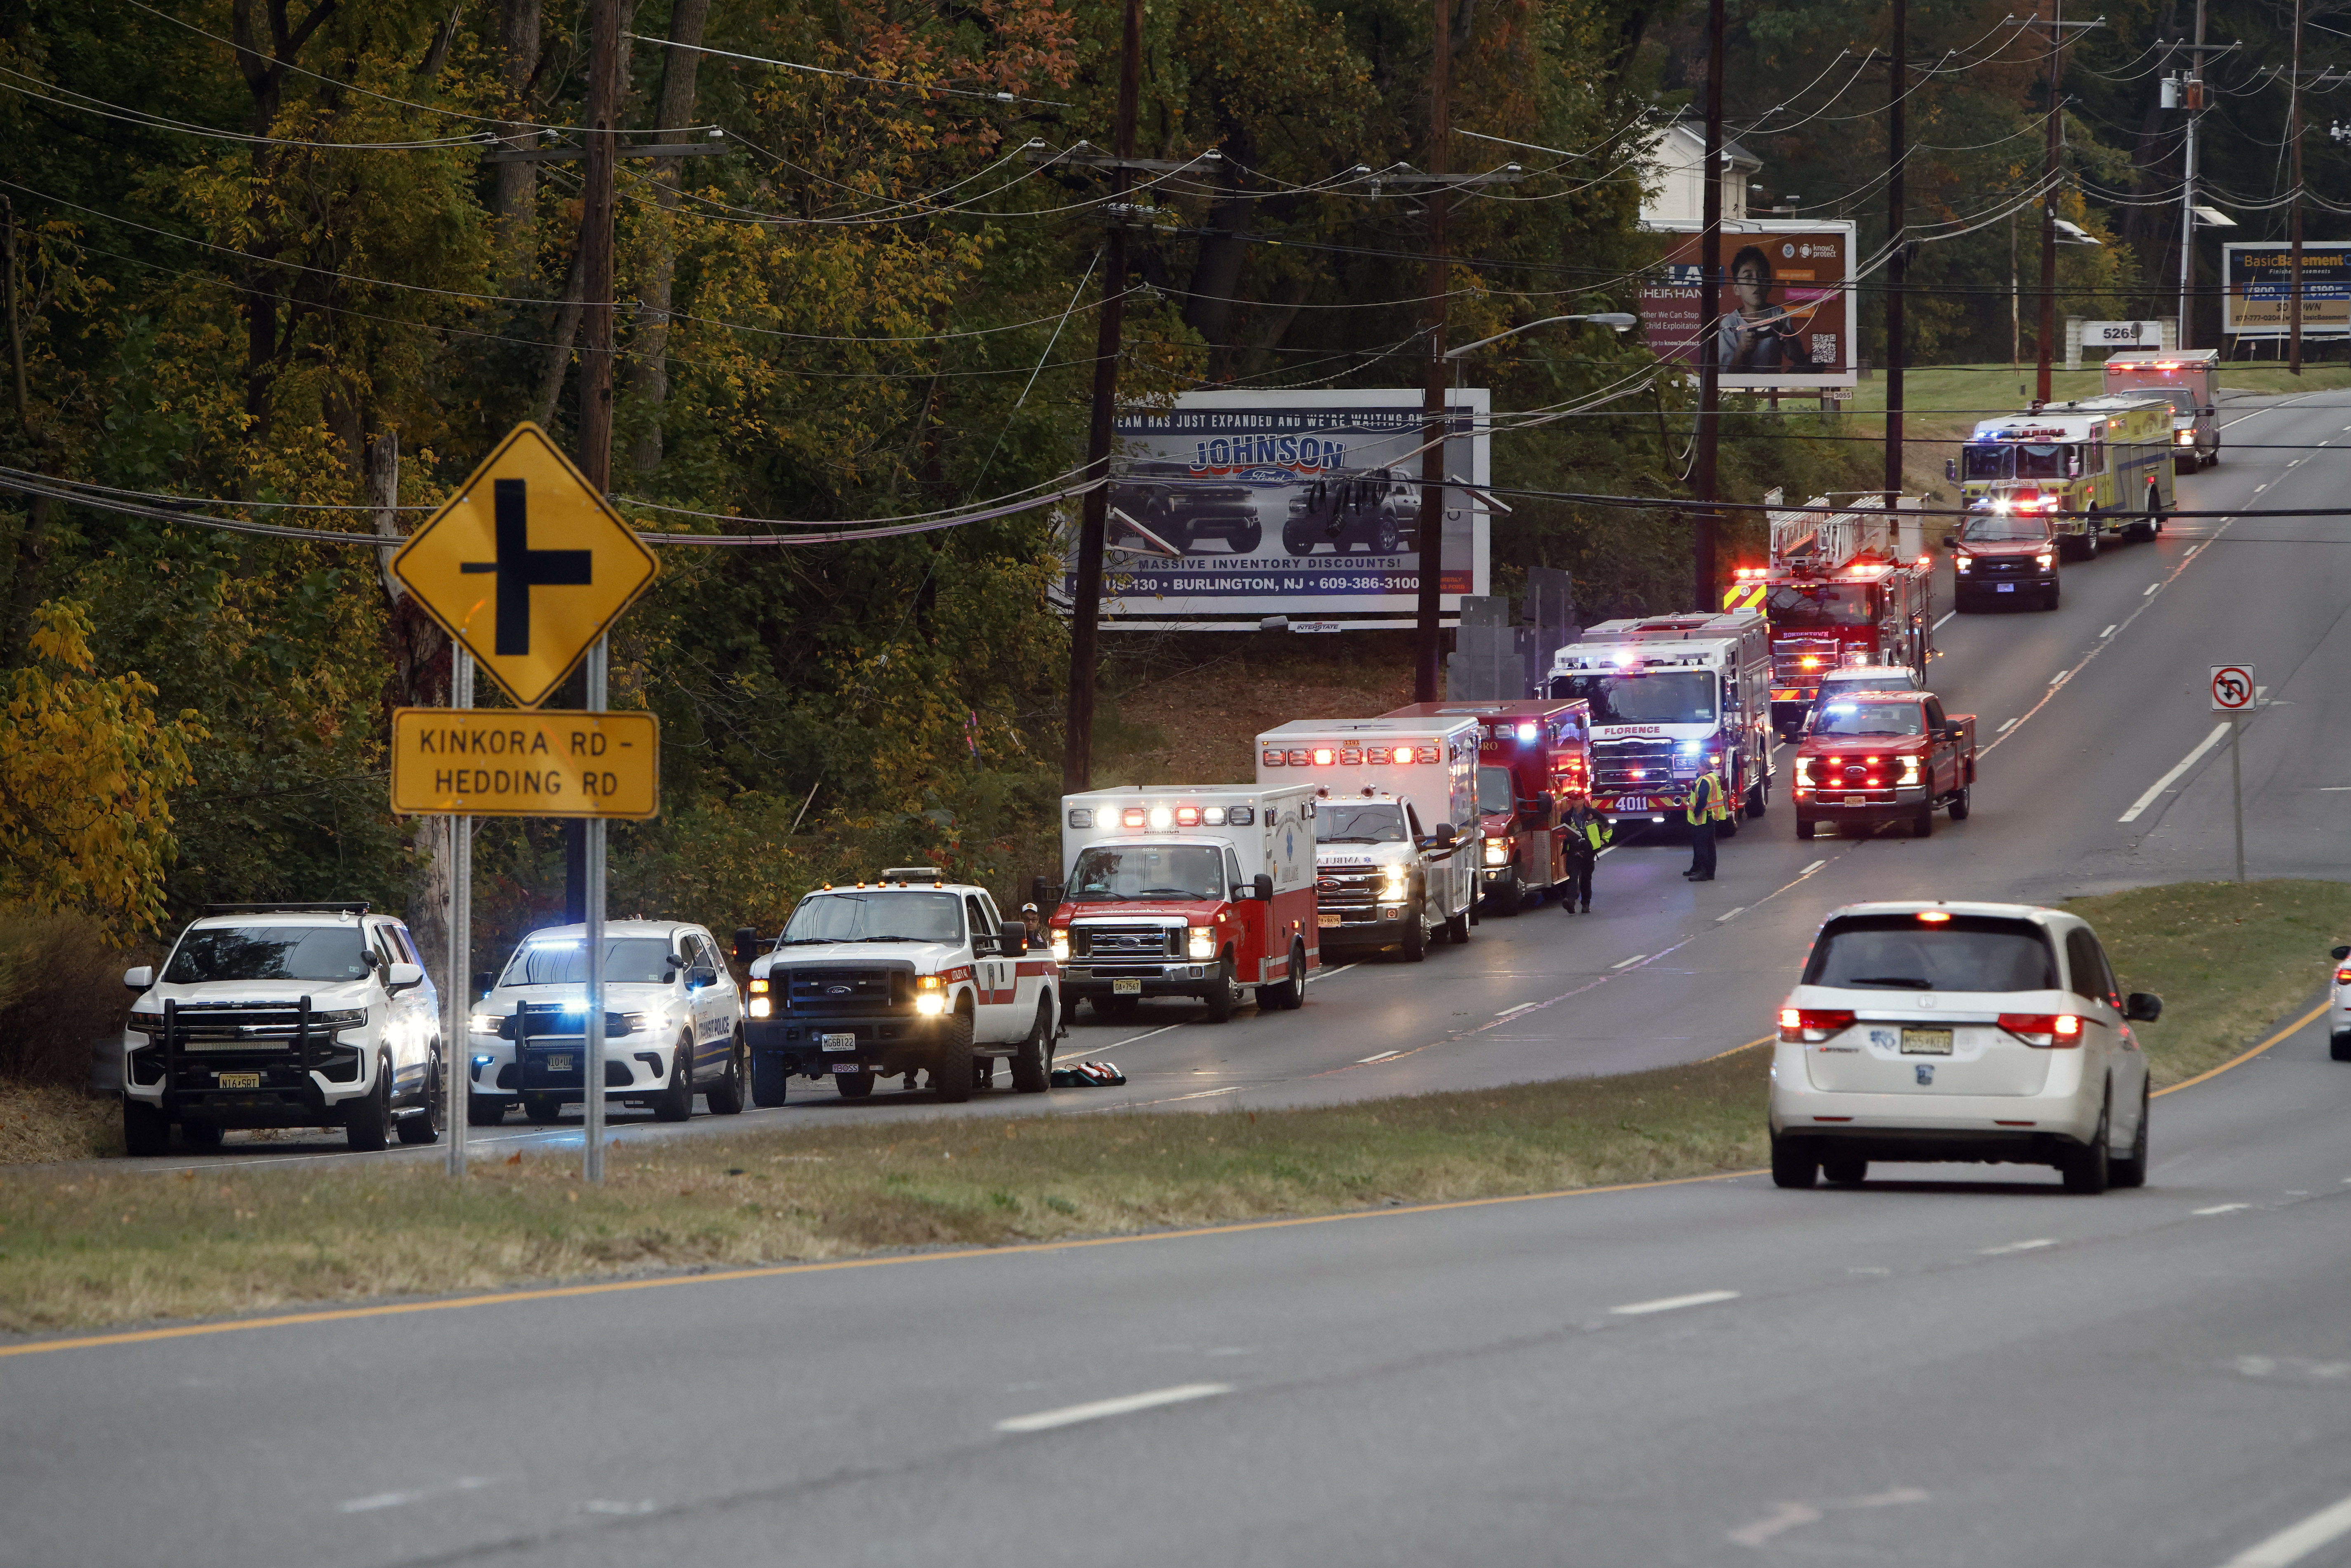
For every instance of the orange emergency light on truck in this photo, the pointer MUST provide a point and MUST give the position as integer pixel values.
(1532, 754)
(1187, 890)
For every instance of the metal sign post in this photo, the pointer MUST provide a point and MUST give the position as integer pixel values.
(592, 1078)
(2235, 695)
(458, 1056)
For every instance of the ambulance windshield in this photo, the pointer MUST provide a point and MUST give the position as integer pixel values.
(1108, 875)
(1815, 604)
(1359, 822)
(1494, 790)
(1644, 696)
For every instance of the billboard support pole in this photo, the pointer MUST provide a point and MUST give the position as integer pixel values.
(1709, 358)
(1085, 599)
(2293, 272)
(1897, 88)
(1429, 532)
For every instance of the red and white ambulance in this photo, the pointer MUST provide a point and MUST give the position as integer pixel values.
(1532, 754)
(1187, 891)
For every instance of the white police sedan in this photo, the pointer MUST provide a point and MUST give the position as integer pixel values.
(1985, 1033)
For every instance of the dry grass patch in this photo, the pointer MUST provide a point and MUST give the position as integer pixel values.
(47, 1122)
(121, 1246)
(2228, 961)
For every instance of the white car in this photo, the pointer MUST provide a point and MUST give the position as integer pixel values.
(908, 975)
(283, 1015)
(673, 1025)
(2338, 1016)
(1987, 1032)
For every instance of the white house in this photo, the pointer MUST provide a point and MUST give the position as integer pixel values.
(1675, 155)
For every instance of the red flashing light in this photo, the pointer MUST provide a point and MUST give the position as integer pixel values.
(2343, 975)
(1933, 916)
(1188, 816)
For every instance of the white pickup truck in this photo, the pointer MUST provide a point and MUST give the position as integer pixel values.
(910, 974)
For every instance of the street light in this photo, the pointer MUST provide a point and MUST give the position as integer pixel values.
(1617, 319)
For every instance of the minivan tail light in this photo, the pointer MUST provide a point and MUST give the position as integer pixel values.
(2343, 975)
(2045, 1032)
(1809, 1026)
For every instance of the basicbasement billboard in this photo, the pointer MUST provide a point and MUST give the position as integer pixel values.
(1785, 304)
(2259, 298)
(1304, 505)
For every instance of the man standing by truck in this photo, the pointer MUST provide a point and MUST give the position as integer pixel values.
(1706, 809)
(1584, 833)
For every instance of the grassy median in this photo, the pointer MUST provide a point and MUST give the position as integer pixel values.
(116, 1245)
(2228, 961)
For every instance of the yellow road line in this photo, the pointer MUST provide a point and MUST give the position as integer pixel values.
(1735, 1049)
(2288, 1032)
(778, 1270)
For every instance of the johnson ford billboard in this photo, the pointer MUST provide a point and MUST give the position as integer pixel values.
(1305, 505)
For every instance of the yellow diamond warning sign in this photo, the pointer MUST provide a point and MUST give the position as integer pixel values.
(503, 762)
(526, 565)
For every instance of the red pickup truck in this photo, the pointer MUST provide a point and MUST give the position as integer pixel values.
(1885, 757)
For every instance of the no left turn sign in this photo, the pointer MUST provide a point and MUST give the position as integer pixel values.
(2232, 688)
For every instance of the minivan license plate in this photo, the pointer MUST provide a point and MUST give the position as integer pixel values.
(1926, 1042)
(837, 1042)
(1127, 987)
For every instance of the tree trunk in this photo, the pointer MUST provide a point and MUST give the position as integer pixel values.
(420, 678)
(558, 352)
(518, 187)
(649, 367)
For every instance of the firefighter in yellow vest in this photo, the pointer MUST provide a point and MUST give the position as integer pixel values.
(1584, 833)
(1706, 808)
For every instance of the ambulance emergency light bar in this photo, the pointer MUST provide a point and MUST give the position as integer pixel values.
(1354, 756)
(1165, 819)
(1630, 660)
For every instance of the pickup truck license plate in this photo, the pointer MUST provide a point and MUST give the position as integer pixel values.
(240, 1079)
(1926, 1042)
(846, 1067)
(2003, 587)
(560, 1064)
(1127, 987)
(1323, 917)
(1856, 799)
(837, 1042)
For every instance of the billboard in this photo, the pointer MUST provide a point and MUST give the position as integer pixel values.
(1785, 303)
(2258, 282)
(1235, 506)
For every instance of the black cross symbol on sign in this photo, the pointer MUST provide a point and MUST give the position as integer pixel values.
(521, 568)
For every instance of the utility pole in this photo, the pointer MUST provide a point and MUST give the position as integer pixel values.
(2049, 205)
(2192, 97)
(1897, 88)
(1430, 530)
(1709, 359)
(1085, 598)
(2293, 271)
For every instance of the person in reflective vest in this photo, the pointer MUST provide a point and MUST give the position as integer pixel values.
(1706, 809)
(1584, 833)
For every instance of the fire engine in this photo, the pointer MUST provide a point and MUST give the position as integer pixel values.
(1842, 588)
(1672, 696)
(2108, 460)
(1187, 890)
(1532, 754)
(1395, 825)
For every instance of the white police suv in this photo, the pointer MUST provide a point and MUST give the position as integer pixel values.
(673, 1025)
(1988, 1032)
(283, 1015)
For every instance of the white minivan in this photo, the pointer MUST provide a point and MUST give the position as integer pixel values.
(1987, 1032)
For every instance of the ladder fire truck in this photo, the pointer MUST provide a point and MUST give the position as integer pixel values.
(1848, 585)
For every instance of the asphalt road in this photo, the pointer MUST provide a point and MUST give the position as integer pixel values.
(1960, 1366)
(2081, 711)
